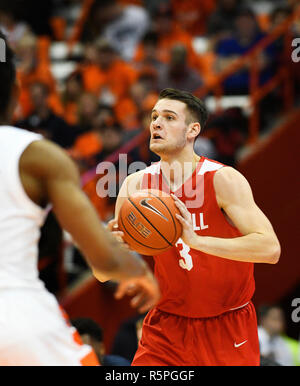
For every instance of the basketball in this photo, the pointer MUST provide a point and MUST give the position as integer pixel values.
(148, 220)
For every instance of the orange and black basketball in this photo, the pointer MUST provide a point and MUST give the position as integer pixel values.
(148, 220)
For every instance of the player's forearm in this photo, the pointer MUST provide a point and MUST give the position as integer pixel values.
(252, 248)
(104, 254)
(120, 264)
(120, 268)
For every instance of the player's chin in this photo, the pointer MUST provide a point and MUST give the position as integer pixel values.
(156, 147)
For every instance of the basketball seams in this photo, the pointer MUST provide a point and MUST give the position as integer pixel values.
(132, 203)
(144, 245)
(174, 223)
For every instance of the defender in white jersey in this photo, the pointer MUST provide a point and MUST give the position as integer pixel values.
(33, 174)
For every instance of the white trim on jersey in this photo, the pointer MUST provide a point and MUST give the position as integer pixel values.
(153, 169)
(209, 166)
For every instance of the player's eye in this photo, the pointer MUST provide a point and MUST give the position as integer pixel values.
(169, 117)
(153, 117)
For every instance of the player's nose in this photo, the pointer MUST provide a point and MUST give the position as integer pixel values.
(157, 124)
(156, 131)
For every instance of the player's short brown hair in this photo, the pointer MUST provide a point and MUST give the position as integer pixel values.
(195, 106)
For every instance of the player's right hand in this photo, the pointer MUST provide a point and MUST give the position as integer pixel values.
(112, 226)
(144, 289)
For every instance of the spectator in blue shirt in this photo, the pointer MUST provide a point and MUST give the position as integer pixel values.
(245, 36)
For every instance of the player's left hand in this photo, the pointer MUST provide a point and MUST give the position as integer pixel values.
(188, 233)
(144, 291)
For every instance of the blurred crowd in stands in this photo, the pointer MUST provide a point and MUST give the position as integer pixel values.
(276, 347)
(129, 50)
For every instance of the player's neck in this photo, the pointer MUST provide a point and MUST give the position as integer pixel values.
(185, 156)
(177, 169)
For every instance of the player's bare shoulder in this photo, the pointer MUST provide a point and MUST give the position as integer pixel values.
(41, 164)
(131, 184)
(134, 182)
(230, 185)
(45, 159)
(226, 175)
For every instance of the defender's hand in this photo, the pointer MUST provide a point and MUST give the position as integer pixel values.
(144, 289)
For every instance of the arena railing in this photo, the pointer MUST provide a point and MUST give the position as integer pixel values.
(256, 91)
(79, 24)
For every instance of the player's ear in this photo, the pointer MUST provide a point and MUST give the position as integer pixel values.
(194, 130)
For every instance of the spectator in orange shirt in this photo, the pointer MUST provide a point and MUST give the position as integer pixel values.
(192, 15)
(87, 146)
(145, 154)
(112, 138)
(105, 74)
(127, 114)
(149, 60)
(92, 118)
(98, 131)
(178, 73)
(87, 110)
(32, 69)
(170, 33)
(43, 120)
(129, 110)
(96, 145)
(71, 96)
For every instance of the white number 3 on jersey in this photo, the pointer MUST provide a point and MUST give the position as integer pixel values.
(183, 249)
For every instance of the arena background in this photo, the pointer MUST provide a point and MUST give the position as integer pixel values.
(90, 72)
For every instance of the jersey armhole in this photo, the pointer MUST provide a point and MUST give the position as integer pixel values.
(222, 211)
(19, 190)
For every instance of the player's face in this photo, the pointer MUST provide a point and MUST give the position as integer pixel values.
(168, 127)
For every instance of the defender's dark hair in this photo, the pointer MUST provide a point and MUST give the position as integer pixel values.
(7, 74)
(88, 326)
(195, 106)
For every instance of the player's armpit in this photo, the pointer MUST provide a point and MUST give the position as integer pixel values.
(131, 184)
(235, 197)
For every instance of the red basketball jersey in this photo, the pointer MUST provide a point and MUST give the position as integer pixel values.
(195, 284)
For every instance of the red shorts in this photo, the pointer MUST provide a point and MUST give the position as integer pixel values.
(229, 339)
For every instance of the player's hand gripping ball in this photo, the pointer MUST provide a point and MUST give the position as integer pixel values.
(148, 220)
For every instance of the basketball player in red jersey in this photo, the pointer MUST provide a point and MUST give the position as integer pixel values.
(205, 315)
(33, 174)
